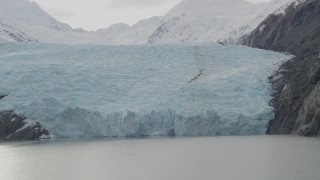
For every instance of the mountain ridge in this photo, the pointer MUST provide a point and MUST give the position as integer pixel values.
(189, 21)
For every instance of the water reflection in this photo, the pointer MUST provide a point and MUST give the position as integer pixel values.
(221, 158)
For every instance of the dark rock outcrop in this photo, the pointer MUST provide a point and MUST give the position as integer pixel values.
(296, 31)
(15, 127)
(2, 96)
(14, 34)
(297, 82)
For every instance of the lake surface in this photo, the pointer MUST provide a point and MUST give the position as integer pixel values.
(203, 158)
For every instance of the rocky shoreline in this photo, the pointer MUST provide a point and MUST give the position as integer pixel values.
(14, 127)
(297, 82)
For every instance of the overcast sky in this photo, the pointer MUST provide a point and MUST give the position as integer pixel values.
(95, 14)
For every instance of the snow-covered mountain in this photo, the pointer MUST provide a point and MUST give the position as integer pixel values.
(189, 21)
(33, 24)
(213, 20)
(10, 34)
(32, 14)
(25, 21)
(124, 34)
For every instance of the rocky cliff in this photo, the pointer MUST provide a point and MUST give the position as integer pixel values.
(296, 83)
(16, 127)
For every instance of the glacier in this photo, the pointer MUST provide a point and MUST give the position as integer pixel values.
(141, 90)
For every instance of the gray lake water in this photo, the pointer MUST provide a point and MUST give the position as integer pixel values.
(203, 158)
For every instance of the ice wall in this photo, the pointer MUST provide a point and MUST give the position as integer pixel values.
(184, 90)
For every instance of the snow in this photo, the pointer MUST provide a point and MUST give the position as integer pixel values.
(35, 24)
(113, 29)
(27, 124)
(30, 12)
(262, 28)
(85, 91)
(286, 4)
(43, 137)
(136, 34)
(213, 20)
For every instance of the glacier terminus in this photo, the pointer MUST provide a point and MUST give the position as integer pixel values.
(141, 90)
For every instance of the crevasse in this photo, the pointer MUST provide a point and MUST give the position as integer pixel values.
(160, 90)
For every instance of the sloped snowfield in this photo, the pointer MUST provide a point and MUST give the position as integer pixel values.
(183, 90)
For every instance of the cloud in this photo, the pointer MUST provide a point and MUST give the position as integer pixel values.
(96, 14)
(60, 14)
(257, 1)
(140, 3)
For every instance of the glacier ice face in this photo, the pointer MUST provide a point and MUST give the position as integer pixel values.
(160, 90)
